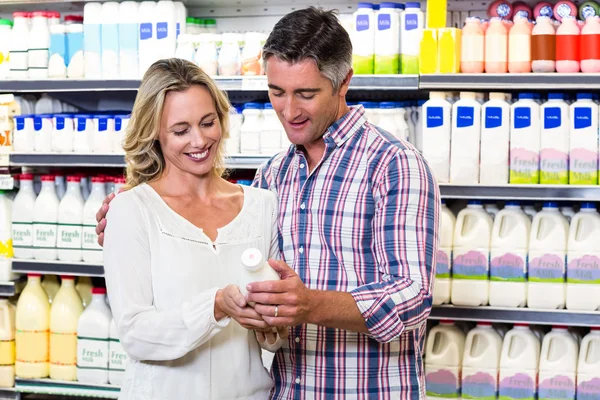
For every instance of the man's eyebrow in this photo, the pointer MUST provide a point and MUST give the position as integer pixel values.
(301, 90)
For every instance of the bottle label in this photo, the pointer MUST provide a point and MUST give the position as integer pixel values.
(496, 48)
(493, 117)
(128, 37)
(582, 117)
(177, 30)
(384, 22)
(519, 386)
(557, 387)
(543, 47)
(443, 383)
(63, 349)
(464, 117)
(44, 235)
(554, 167)
(92, 353)
(22, 233)
(411, 22)
(519, 48)
(110, 37)
(435, 117)
(102, 124)
(90, 239)
(81, 124)
(567, 48)
(74, 44)
(92, 39)
(524, 166)
(162, 30)
(473, 48)
(118, 357)
(442, 266)
(589, 46)
(58, 44)
(552, 118)
(362, 23)
(585, 269)
(522, 117)
(548, 268)
(583, 167)
(31, 346)
(508, 267)
(589, 390)
(60, 123)
(118, 124)
(20, 124)
(38, 58)
(473, 266)
(69, 236)
(37, 124)
(7, 353)
(145, 31)
(481, 385)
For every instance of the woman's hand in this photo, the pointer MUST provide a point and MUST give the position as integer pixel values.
(270, 336)
(230, 302)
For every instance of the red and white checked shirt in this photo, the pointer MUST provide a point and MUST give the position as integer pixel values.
(364, 221)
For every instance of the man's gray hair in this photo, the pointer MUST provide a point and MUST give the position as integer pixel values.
(316, 34)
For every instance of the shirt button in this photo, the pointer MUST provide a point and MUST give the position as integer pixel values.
(297, 381)
(301, 250)
(302, 165)
(297, 340)
(302, 206)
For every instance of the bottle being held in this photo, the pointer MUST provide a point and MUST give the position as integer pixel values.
(519, 46)
(472, 54)
(543, 46)
(590, 45)
(567, 46)
(496, 47)
(255, 269)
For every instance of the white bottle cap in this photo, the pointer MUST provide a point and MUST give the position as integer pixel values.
(497, 96)
(437, 95)
(468, 95)
(252, 259)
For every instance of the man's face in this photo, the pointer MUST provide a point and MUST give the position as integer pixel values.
(303, 99)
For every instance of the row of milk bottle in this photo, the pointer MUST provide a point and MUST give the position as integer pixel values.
(61, 340)
(397, 118)
(46, 228)
(523, 363)
(254, 128)
(495, 142)
(67, 133)
(511, 261)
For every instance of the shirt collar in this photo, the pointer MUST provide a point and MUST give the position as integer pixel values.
(344, 128)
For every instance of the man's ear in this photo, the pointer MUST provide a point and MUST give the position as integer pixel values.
(346, 83)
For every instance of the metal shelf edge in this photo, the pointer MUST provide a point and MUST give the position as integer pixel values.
(57, 268)
(521, 192)
(7, 289)
(48, 386)
(530, 81)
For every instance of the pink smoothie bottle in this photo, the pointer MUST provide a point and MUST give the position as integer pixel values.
(496, 47)
(519, 46)
(567, 46)
(472, 47)
(589, 45)
(543, 46)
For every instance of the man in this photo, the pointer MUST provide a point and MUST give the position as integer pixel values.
(358, 229)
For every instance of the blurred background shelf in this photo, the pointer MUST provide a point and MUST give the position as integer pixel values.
(57, 268)
(52, 387)
(521, 192)
(532, 81)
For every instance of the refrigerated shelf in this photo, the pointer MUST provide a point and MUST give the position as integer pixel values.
(64, 388)
(521, 192)
(510, 82)
(7, 289)
(57, 268)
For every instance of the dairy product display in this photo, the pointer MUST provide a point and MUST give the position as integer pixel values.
(411, 31)
(525, 140)
(7, 343)
(558, 364)
(92, 252)
(444, 351)
(117, 357)
(45, 219)
(495, 140)
(481, 362)
(436, 128)
(465, 141)
(442, 287)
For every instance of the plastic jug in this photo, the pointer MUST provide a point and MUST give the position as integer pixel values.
(117, 359)
(547, 253)
(64, 316)
(554, 142)
(567, 46)
(411, 30)
(558, 365)
(525, 140)
(251, 128)
(481, 363)
(92, 34)
(583, 157)
(519, 46)
(270, 137)
(496, 47)
(7, 344)
(32, 323)
(508, 266)
(472, 54)
(442, 286)
(583, 260)
(472, 235)
(147, 41)
(495, 141)
(543, 46)
(589, 42)
(588, 367)
(567, 211)
(466, 129)
(255, 269)
(363, 39)
(387, 40)
(128, 40)
(436, 129)
(519, 364)
(109, 30)
(443, 360)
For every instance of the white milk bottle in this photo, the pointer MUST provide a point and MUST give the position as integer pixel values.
(583, 260)
(32, 323)
(93, 333)
(554, 144)
(117, 358)
(104, 133)
(508, 265)
(64, 317)
(436, 127)
(402, 126)
(6, 243)
(85, 287)
(19, 45)
(147, 35)
(110, 40)
(443, 360)
(567, 211)
(387, 40)
(180, 16)
(76, 54)
(128, 40)
(583, 155)
(51, 286)
(166, 29)
(42, 133)
(443, 266)
(92, 252)
(270, 137)
(470, 272)
(387, 118)
(39, 43)
(57, 64)
(519, 364)
(45, 219)
(547, 254)
(495, 139)
(7, 344)
(236, 119)
(251, 128)
(525, 140)
(363, 39)
(481, 363)
(23, 133)
(70, 220)
(92, 40)
(411, 30)
(206, 55)
(588, 367)
(466, 129)
(22, 218)
(62, 136)
(558, 365)
(229, 60)
(84, 133)
(255, 268)
(121, 123)
(252, 54)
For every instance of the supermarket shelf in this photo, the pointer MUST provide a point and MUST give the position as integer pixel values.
(57, 268)
(385, 82)
(68, 85)
(517, 315)
(9, 394)
(47, 386)
(246, 161)
(7, 289)
(509, 81)
(521, 192)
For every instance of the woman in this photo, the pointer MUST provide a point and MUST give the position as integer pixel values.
(173, 244)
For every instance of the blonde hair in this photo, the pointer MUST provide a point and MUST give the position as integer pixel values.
(143, 155)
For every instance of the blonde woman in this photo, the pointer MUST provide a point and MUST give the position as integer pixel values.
(173, 243)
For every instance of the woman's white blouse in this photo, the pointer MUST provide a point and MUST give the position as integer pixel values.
(162, 274)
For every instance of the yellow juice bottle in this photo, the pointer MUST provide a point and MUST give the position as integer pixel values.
(428, 56)
(449, 50)
(436, 13)
(7, 344)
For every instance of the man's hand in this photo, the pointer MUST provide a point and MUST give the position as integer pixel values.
(291, 297)
(270, 337)
(101, 218)
(230, 302)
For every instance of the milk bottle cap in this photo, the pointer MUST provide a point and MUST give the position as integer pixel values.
(376, 7)
(48, 178)
(513, 204)
(365, 5)
(413, 5)
(475, 203)
(560, 328)
(98, 179)
(399, 6)
(67, 277)
(584, 96)
(40, 14)
(34, 275)
(26, 177)
(588, 205)
(252, 259)
(21, 14)
(556, 96)
(73, 178)
(98, 290)
(368, 104)
(387, 5)
(268, 106)
(523, 96)
(468, 95)
(484, 324)
(550, 204)
(521, 325)
(253, 106)
(497, 96)
(387, 104)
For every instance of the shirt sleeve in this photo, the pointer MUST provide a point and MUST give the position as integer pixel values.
(405, 229)
(145, 332)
